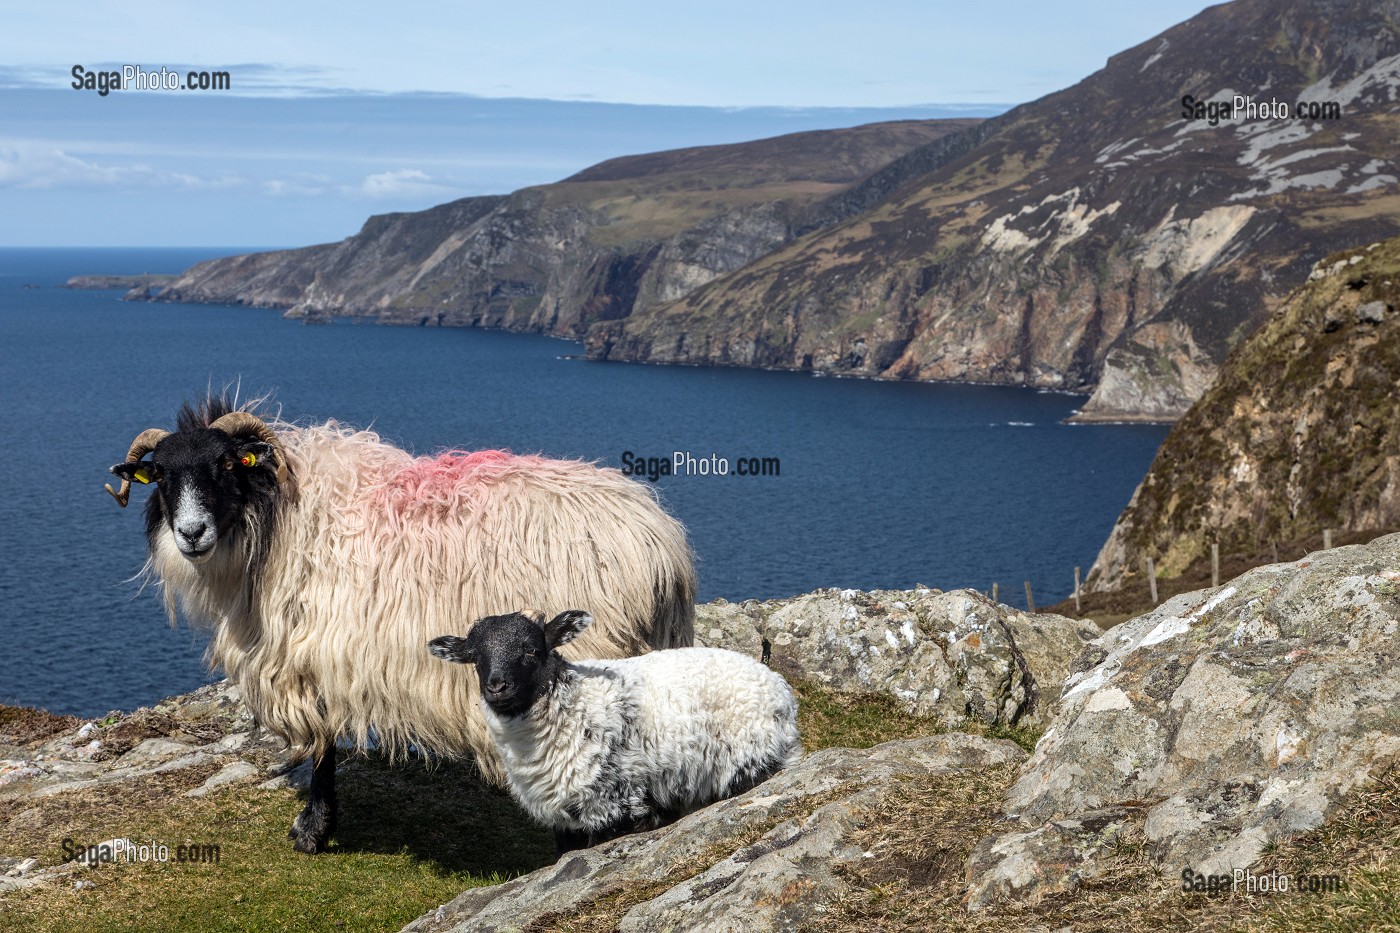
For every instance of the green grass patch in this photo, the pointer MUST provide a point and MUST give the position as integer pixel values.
(411, 837)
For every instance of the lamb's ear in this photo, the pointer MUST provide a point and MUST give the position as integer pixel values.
(452, 648)
(534, 615)
(563, 627)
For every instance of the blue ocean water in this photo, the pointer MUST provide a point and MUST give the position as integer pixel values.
(880, 485)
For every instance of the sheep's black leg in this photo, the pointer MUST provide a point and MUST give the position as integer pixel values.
(567, 840)
(313, 826)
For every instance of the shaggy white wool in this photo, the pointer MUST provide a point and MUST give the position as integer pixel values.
(375, 552)
(619, 741)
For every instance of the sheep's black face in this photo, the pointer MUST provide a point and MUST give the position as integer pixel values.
(514, 656)
(205, 481)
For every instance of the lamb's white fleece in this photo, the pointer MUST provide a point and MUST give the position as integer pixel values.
(618, 744)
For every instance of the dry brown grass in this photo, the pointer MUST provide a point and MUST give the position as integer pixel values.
(922, 837)
(21, 725)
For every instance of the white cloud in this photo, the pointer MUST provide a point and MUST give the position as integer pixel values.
(28, 164)
(405, 182)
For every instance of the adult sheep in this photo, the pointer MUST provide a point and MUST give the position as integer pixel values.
(323, 559)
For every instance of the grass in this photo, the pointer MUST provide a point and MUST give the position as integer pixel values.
(922, 836)
(414, 836)
(411, 837)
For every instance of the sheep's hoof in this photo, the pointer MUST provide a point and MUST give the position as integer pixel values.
(312, 829)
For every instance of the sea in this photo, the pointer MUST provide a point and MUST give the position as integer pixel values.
(861, 484)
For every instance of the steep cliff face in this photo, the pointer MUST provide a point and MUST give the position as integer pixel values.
(554, 259)
(1094, 239)
(1300, 432)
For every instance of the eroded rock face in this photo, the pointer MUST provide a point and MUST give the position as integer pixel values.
(1298, 434)
(1096, 239)
(947, 655)
(708, 872)
(555, 259)
(1228, 718)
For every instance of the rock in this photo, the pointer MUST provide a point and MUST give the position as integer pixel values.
(192, 760)
(232, 742)
(1372, 312)
(762, 861)
(230, 773)
(12, 771)
(949, 655)
(153, 751)
(297, 777)
(1235, 717)
(1051, 859)
(22, 867)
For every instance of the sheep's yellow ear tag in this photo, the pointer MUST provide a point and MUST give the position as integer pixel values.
(249, 459)
(141, 474)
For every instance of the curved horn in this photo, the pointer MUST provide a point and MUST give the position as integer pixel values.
(145, 442)
(238, 423)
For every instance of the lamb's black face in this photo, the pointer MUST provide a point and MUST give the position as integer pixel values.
(514, 656)
(205, 481)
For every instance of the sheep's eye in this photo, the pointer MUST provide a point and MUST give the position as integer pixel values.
(249, 459)
(531, 653)
(228, 464)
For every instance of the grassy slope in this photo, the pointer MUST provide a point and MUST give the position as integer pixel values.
(410, 838)
(654, 196)
(414, 838)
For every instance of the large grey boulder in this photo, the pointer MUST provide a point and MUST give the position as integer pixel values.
(763, 861)
(949, 655)
(1218, 723)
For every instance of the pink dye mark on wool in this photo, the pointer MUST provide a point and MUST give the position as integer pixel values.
(445, 478)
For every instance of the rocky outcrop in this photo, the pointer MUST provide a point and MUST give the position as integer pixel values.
(765, 861)
(1300, 433)
(949, 656)
(194, 745)
(1091, 240)
(1193, 738)
(128, 283)
(1221, 722)
(557, 258)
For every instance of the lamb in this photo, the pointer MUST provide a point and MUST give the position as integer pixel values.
(598, 748)
(323, 558)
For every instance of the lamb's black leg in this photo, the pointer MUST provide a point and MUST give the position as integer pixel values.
(313, 826)
(568, 840)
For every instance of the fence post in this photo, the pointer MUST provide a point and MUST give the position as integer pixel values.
(1030, 602)
(1152, 579)
(1077, 610)
(995, 597)
(1215, 565)
(1327, 539)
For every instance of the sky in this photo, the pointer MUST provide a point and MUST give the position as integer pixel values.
(336, 111)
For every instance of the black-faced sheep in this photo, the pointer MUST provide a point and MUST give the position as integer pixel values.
(598, 748)
(323, 559)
